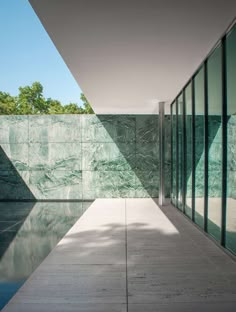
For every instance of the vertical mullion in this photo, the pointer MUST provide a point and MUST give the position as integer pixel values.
(205, 147)
(184, 170)
(193, 148)
(162, 153)
(171, 151)
(224, 142)
(177, 154)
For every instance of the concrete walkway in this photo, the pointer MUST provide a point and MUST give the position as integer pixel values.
(130, 255)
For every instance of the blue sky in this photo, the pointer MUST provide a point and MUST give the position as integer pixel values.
(27, 54)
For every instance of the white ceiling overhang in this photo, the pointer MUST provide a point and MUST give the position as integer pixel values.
(127, 55)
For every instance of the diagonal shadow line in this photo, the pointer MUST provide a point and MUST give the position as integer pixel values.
(214, 126)
(14, 213)
(11, 181)
(138, 144)
(39, 226)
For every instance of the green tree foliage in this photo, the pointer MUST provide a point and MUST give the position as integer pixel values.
(30, 100)
(54, 107)
(87, 108)
(7, 104)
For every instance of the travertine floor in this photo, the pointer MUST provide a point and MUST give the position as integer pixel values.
(130, 255)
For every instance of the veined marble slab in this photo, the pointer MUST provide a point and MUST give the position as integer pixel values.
(55, 156)
(81, 156)
(147, 156)
(147, 128)
(108, 128)
(14, 129)
(14, 156)
(147, 183)
(55, 128)
(108, 156)
(56, 184)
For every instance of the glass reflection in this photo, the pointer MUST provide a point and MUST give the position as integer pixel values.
(28, 232)
(231, 141)
(188, 105)
(195, 116)
(180, 153)
(214, 143)
(199, 148)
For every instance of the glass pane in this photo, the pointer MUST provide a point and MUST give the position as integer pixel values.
(231, 137)
(188, 104)
(214, 143)
(174, 154)
(199, 148)
(180, 153)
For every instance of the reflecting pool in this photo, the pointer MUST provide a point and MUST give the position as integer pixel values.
(28, 232)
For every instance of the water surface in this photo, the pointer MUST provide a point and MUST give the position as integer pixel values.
(28, 232)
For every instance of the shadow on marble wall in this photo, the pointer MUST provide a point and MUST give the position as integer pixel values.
(85, 156)
(137, 167)
(13, 185)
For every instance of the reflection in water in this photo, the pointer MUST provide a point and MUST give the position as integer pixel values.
(28, 232)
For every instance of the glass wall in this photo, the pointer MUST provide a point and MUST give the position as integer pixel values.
(231, 141)
(189, 151)
(214, 84)
(204, 144)
(173, 156)
(199, 147)
(180, 152)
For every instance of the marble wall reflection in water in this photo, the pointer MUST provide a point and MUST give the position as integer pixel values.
(28, 232)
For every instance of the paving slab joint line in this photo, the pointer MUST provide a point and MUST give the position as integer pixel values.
(126, 260)
(207, 235)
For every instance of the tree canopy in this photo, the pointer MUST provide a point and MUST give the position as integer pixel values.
(30, 101)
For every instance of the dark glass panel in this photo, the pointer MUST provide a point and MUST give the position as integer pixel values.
(199, 147)
(231, 138)
(188, 122)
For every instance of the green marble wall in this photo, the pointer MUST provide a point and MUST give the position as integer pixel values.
(80, 156)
